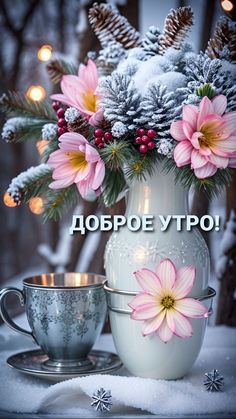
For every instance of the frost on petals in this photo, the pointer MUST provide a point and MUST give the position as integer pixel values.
(163, 305)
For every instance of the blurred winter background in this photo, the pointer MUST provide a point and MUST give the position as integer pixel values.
(27, 245)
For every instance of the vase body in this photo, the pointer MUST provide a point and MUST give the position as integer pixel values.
(129, 251)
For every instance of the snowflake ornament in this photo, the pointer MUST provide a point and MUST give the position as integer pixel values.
(214, 381)
(101, 400)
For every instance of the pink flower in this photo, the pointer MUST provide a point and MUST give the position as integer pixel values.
(76, 162)
(163, 306)
(207, 138)
(80, 91)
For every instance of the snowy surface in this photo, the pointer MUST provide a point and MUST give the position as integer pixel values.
(184, 397)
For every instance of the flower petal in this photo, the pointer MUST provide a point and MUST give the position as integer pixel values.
(164, 332)
(205, 109)
(225, 148)
(182, 153)
(218, 161)
(219, 104)
(91, 154)
(232, 162)
(152, 325)
(62, 183)
(148, 281)
(188, 130)
(190, 307)
(166, 273)
(190, 114)
(98, 175)
(205, 171)
(197, 160)
(183, 327)
(176, 131)
(146, 311)
(184, 281)
(230, 121)
(64, 99)
(170, 317)
(140, 299)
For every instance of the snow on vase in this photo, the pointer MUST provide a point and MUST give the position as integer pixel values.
(127, 252)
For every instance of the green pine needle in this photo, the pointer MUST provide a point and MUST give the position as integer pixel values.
(113, 185)
(28, 129)
(116, 153)
(142, 165)
(211, 187)
(59, 201)
(206, 90)
(18, 104)
(49, 149)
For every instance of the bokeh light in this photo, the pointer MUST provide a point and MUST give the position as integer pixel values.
(45, 53)
(9, 201)
(36, 93)
(36, 205)
(41, 146)
(227, 5)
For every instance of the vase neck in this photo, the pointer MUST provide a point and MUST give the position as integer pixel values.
(158, 194)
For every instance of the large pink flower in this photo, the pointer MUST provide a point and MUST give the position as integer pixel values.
(207, 137)
(80, 92)
(163, 306)
(76, 162)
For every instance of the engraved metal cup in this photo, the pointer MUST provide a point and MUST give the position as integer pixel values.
(66, 313)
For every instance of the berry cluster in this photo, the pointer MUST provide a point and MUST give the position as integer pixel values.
(144, 140)
(101, 137)
(62, 124)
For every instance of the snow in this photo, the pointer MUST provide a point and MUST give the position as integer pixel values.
(179, 397)
(172, 80)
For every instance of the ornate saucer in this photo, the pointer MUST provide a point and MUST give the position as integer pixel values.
(32, 363)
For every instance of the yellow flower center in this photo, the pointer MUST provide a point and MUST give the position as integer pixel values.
(90, 101)
(211, 132)
(77, 160)
(168, 302)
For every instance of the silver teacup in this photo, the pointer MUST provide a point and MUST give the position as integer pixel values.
(66, 313)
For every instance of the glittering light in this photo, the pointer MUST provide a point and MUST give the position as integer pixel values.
(41, 146)
(9, 201)
(227, 5)
(36, 93)
(45, 53)
(36, 205)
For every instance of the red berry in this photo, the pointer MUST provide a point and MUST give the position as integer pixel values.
(138, 140)
(55, 106)
(101, 145)
(143, 148)
(151, 133)
(61, 131)
(145, 139)
(140, 132)
(60, 113)
(151, 145)
(61, 122)
(108, 136)
(98, 140)
(98, 132)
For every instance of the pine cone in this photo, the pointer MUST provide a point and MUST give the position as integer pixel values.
(80, 125)
(223, 42)
(105, 125)
(150, 44)
(109, 25)
(57, 68)
(176, 25)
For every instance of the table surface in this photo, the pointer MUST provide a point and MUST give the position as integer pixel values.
(10, 341)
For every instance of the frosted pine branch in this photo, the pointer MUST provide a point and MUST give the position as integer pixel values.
(150, 43)
(32, 179)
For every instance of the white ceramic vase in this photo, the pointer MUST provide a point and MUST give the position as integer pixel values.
(129, 251)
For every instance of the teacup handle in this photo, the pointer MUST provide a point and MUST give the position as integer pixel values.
(4, 313)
